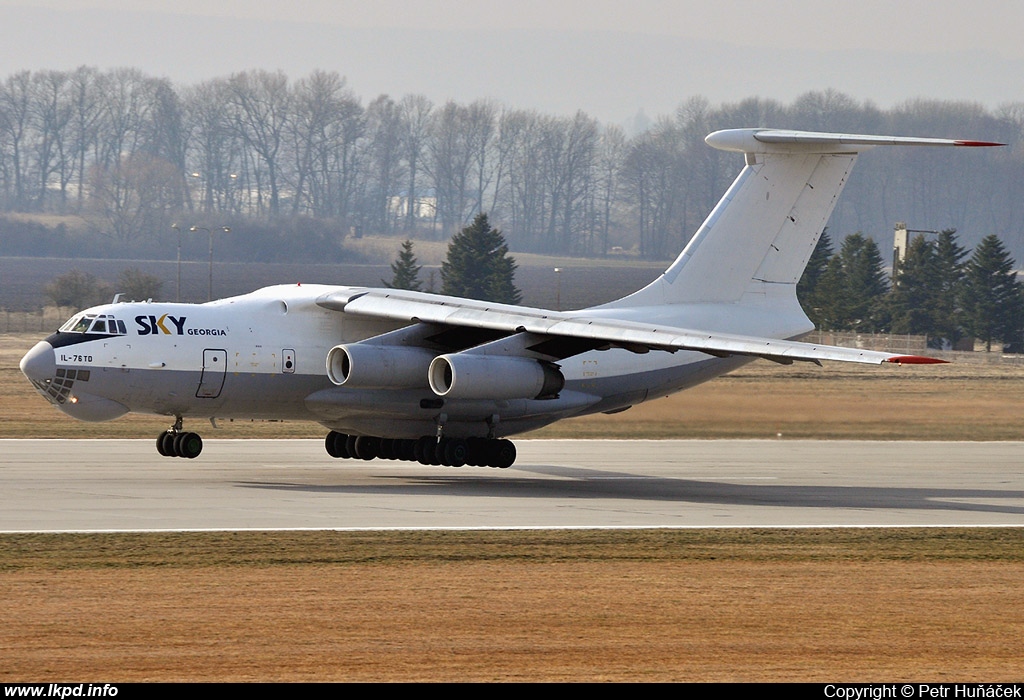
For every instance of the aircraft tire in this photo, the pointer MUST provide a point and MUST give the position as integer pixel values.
(406, 450)
(502, 454)
(476, 452)
(188, 445)
(367, 447)
(168, 444)
(425, 448)
(436, 453)
(336, 445)
(454, 452)
(165, 444)
(341, 444)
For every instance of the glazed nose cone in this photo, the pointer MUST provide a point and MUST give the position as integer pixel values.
(38, 364)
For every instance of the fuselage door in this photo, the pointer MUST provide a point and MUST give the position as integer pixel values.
(215, 367)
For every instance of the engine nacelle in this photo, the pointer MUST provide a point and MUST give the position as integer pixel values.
(468, 376)
(367, 366)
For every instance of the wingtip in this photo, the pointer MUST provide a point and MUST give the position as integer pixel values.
(977, 144)
(916, 360)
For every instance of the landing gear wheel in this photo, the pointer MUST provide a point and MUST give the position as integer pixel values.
(337, 445)
(367, 447)
(476, 452)
(455, 452)
(188, 445)
(165, 444)
(501, 454)
(406, 450)
(425, 448)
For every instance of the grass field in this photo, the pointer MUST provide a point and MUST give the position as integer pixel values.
(726, 605)
(715, 605)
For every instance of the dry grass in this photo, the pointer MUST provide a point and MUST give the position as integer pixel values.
(812, 605)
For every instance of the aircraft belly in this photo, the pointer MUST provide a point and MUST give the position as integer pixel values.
(404, 413)
(620, 388)
(173, 392)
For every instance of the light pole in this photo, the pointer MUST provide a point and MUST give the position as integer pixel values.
(198, 180)
(225, 229)
(558, 286)
(178, 294)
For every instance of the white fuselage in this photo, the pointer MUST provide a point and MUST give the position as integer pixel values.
(262, 356)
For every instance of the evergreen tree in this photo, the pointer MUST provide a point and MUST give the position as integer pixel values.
(851, 292)
(914, 299)
(828, 308)
(949, 267)
(478, 265)
(807, 287)
(405, 273)
(993, 305)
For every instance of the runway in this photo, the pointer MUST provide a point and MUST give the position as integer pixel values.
(114, 485)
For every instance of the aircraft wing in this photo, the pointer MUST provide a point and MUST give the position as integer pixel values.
(418, 307)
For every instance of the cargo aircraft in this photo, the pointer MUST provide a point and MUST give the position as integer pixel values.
(442, 380)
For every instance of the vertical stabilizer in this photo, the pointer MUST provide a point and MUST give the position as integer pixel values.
(756, 242)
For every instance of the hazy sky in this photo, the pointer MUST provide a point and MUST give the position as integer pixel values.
(608, 58)
(816, 24)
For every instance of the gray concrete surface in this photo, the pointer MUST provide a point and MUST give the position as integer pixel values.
(61, 485)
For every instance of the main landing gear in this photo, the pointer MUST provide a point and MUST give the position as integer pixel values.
(449, 452)
(176, 443)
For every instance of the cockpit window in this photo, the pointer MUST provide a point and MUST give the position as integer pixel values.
(77, 324)
(94, 323)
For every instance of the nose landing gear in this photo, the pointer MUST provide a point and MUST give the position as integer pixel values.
(176, 443)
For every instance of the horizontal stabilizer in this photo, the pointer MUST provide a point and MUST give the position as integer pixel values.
(787, 141)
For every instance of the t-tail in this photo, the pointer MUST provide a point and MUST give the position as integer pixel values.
(755, 244)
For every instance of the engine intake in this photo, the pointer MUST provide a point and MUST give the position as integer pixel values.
(467, 376)
(367, 366)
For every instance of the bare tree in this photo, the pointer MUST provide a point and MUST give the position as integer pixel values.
(416, 111)
(53, 113)
(611, 151)
(85, 122)
(449, 164)
(481, 126)
(653, 178)
(15, 130)
(214, 148)
(135, 197)
(384, 133)
(262, 104)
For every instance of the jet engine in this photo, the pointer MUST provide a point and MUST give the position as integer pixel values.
(470, 376)
(371, 366)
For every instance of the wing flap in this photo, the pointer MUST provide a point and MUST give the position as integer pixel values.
(428, 308)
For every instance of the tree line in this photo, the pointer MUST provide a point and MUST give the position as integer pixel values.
(936, 290)
(132, 154)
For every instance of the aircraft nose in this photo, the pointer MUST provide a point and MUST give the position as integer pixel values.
(38, 364)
